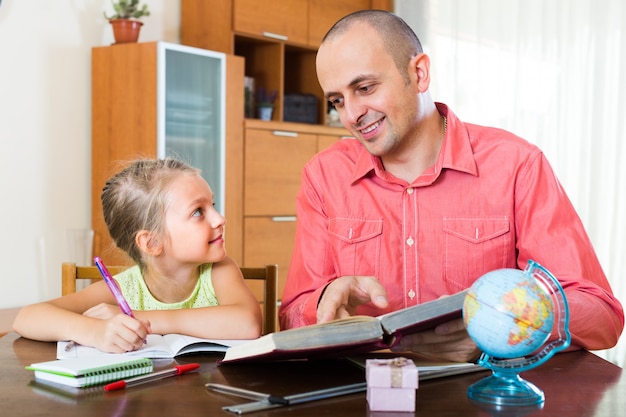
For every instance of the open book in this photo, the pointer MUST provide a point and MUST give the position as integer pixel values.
(350, 335)
(157, 347)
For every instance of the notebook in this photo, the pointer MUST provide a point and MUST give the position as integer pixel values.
(85, 372)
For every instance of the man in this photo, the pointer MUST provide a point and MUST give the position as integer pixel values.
(421, 205)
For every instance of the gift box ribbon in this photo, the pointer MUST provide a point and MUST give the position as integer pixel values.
(396, 365)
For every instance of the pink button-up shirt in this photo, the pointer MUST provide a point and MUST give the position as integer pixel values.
(491, 201)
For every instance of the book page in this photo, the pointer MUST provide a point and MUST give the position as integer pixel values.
(181, 344)
(316, 340)
(156, 347)
(424, 316)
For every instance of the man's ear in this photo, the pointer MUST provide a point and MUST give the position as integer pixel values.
(420, 69)
(148, 243)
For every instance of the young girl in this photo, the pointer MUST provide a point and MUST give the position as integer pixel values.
(161, 213)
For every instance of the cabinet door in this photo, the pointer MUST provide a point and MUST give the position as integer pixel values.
(284, 19)
(123, 123)
(192, 106)
(324, 13)
(273, 164)
(269, 240)
(199, 26)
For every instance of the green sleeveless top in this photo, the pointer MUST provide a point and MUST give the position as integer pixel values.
(139, 297)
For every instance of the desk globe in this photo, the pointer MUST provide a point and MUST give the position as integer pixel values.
(510, 314)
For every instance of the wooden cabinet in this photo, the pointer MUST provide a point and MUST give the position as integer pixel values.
(269, 239)
(273, 162)
(278, 39)
(273, 158)
(156, 99)
(282, 20)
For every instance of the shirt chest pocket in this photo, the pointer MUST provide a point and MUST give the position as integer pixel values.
(475, 246)
(356, 245)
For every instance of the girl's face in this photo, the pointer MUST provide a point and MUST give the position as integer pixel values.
(194, 229)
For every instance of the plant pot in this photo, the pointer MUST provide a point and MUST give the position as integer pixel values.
(265, 112)
(125, 30)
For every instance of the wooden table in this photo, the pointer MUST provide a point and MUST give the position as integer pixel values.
(575, 384)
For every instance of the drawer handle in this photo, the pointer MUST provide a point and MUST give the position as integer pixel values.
(275, 36)
(284, 218)
(285, 133)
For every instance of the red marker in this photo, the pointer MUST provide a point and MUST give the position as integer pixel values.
(155, 376)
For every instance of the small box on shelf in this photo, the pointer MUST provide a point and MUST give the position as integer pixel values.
(300, 108)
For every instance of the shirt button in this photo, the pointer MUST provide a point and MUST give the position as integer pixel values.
(410, 241)
(411, 293)
(409, 190)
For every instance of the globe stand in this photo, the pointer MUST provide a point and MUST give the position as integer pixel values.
(505, 387)
(495, 410)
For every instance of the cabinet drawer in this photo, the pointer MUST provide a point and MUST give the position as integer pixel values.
(286, 19)
(269, 240)
(273, 166)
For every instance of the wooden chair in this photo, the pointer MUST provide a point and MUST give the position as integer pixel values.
(268, 274)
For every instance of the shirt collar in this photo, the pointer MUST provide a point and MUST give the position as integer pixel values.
(456, 152)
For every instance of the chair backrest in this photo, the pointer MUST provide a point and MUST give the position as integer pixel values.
(269, 275)
(70, 273)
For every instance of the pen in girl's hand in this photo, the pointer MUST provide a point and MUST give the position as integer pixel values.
(115, 289)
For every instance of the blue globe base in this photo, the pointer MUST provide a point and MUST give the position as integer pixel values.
(505, 388)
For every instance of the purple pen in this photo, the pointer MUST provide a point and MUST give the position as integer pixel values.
(115, 289)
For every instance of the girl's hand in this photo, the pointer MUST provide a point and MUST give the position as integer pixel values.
(120, 334)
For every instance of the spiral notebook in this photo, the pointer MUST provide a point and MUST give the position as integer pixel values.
(85, 372)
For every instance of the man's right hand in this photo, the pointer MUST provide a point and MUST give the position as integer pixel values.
(343, 295)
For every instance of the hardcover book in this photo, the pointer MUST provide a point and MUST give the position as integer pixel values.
(343, 337)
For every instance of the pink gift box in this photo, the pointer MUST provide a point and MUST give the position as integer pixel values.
(391, 399)
(391, 384)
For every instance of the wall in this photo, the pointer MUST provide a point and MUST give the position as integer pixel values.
(45, 132)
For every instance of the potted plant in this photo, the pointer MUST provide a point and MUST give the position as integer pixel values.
(124, 20)
(265, 103)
